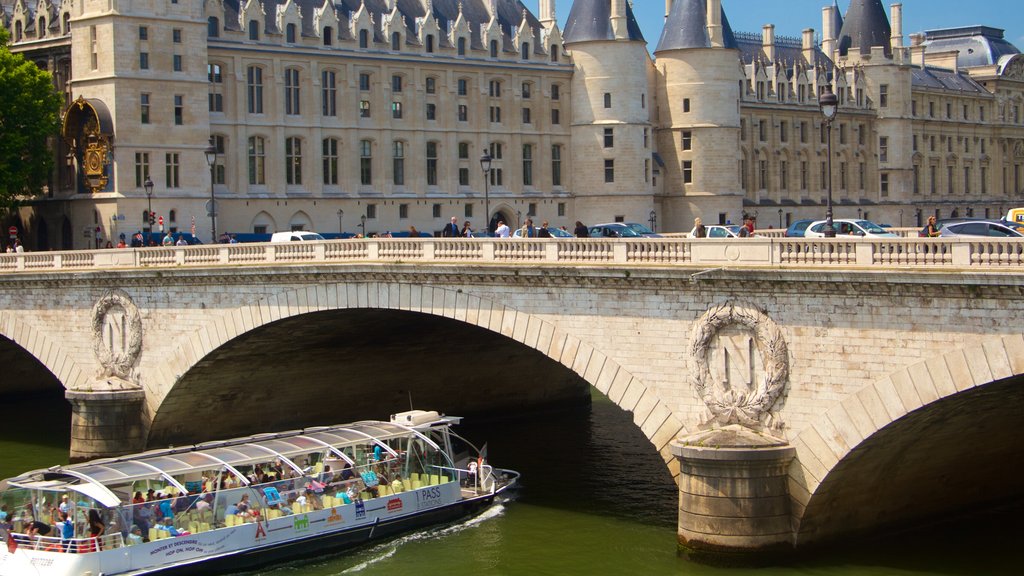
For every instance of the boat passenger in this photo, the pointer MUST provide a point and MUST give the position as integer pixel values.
(138, 499)
(135, 536)
(167, 525)
(150, 495)
(96, 527)
(346, 472)
(165, 508)
(243, 504)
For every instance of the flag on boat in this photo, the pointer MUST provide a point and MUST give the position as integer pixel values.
(193, 225)
(12, 545)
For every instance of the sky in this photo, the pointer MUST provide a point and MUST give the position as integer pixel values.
(791, 17)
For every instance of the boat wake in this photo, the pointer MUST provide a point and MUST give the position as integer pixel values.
(386, 550)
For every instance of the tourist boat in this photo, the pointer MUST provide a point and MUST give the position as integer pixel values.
(245, 502)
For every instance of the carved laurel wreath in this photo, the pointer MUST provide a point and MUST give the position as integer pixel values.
(732, 406)
(117, 364)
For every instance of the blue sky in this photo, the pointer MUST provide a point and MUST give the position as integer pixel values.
(790, 17)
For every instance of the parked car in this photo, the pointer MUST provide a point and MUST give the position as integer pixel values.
(555, 233)
(858, 228)
(980, 228)
(613, 230)
(296, 236)
(643, 230)
(797, 229)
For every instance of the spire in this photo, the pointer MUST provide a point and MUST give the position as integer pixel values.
(865, 26)
(547, 13)
(686, 27)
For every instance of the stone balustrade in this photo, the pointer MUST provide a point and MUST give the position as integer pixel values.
(932, 253)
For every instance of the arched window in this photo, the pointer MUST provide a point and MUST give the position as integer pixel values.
(494, 48)
(328, 36)
(554, 52)
(430, 43)
(330, 155)
(257, 161)
(289, 34)
(364, 38)
(254, 30)
(41, 30)
(66, 24)
(17, 31)
(212, 27)
(525, 53)
(396, 41)
(293, 161)
(462, 46)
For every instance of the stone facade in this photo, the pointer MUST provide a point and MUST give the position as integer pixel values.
(323, 113)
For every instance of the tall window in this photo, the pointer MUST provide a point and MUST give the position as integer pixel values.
(291, 91)
(141, 168)
(462, 46)
(396, 110)
(398, 162)
(219, 172)
(494, 88)
(179, 110)
(527, 165)
(254, 30)
(293, 161)
(607, 99)
(431, 85)
(364, 108)
(609, 137)
(365, 162)
(609, 171)
(687, 171)
(396, 83)
(330, 154)
(173, 166)
(257, 161)
(364, 38)
(144, 108)
(396, 41)
(463, 86)
(883, 149)
(431, 163)
(254, 84)
(289, 33)
(329, 93)
(494, 48)
(216, 80)
(364, 82)
(463, 113)
(556, 165)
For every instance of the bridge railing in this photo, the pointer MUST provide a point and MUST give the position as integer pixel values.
(957, 253)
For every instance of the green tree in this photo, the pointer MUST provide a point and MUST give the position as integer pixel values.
(29, 116)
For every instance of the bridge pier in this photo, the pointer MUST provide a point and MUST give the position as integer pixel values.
(733, 493)
(108, 423)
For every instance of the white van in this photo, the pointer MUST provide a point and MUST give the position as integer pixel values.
(296, 236)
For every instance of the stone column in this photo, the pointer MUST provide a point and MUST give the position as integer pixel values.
(733, 493)
(107, 423)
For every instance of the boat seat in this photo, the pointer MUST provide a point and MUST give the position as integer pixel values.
(153, 534)
(444, 479)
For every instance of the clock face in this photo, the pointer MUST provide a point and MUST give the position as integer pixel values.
(93, 162)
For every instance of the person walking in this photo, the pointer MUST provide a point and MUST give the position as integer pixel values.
(502, 230)
(699, 230)
(931, 230)
(528, 231)
(543, 232)
(451, 230)
(467, 230)
(581, 231)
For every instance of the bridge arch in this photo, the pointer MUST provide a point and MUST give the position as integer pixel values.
(650, 414)
(853, 463)
(44, 349)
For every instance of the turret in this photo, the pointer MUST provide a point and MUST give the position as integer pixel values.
(547, 13)
(865, 27)
(831, 24)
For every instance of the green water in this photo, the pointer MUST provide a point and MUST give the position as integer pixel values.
(594, 499)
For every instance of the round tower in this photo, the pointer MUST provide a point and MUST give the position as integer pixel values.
(611, 113)
(699, 81)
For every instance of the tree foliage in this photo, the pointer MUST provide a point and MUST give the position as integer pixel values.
(29, 116)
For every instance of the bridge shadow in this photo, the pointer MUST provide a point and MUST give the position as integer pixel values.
(957, 455)
(339, 365)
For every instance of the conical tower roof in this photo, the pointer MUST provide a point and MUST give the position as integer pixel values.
(837, 17)
(866, 26)
(685, 27)
(591, 20)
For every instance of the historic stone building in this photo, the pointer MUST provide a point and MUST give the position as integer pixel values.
(372, 115)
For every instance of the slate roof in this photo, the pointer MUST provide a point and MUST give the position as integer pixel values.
(686, 27)
(591, 20)
(978, 45)
(866, 25)
(787, 51)
(938, 79)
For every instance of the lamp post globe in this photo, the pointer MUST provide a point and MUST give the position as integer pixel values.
(485, 166)
(148, 186)
(829, 105)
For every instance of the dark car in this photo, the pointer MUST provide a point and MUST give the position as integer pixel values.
(797, 229)
(614, 230)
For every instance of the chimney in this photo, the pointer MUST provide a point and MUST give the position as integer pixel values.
(714, 8)
(620, 25)
(897, 27)
(808, 45)
(768, 41)
(828, 31)
(917, 49)
(547, 13)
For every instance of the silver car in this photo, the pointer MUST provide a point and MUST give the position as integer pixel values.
(980, 229)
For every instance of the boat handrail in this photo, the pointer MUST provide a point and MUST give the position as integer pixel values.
(68, 545)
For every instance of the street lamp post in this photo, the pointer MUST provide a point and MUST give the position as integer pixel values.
(780, 217)
(148, 185)
(341, 214)
(829, 105)
(485, 165)
(652, 219)
(901, 217)
(211, 159)
(362, 224)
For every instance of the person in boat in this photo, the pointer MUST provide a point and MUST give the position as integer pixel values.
(138, 498)
(243, 504)
(165, 508)
(150, 495)
(167, 525)
(346, 472)
(66, 529)
(204, 502)
(135, 536)
(471, 474)
(96, 526)
(144, 516)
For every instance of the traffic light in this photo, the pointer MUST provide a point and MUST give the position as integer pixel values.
(152, 219)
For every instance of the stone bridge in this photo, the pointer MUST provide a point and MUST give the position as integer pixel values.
(799, 391)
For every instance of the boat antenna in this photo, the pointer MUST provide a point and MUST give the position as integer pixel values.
(410, 400)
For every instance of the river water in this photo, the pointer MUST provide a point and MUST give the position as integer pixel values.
(594, 499)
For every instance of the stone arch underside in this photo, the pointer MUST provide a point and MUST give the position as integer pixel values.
(909, 446)
(487, 317)
(47, 352)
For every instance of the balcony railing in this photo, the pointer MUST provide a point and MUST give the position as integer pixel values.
(931, 253)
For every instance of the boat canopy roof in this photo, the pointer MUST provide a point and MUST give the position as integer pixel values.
(94, 478)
